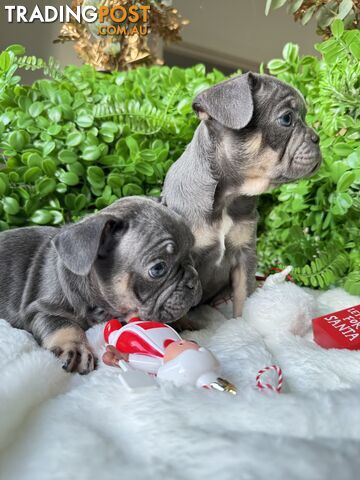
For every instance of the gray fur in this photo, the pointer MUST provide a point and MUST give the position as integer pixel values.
(239, 151)
(97, 269)
(211, 102)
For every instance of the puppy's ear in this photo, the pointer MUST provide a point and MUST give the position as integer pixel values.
(80, 244)
(230, 102)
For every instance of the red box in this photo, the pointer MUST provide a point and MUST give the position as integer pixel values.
(339, 329)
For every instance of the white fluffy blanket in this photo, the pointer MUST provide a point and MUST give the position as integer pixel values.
(59, 426)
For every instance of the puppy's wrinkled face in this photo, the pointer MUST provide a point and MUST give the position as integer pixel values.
(146, 268)
(285, 147)
(260, 127)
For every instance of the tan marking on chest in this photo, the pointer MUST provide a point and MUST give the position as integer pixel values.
(214, 234)
(241, 234)
(222, 232)
(254, 186)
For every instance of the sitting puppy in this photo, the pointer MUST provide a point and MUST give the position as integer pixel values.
(132, 258)
(252, 137)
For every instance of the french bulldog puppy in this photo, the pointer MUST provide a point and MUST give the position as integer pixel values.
(130, 259)
(252, 137)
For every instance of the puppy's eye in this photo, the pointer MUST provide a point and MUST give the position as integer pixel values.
(286, 120)
(158, 270)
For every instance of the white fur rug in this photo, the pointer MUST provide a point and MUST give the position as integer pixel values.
(59, 426)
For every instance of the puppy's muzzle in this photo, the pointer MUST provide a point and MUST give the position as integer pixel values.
(191, 281)
(181, 297)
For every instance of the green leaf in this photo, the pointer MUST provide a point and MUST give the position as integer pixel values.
(46, 186)
(18, 140)
(344, 8)
(355, 50)
(91, 153)
(34, 160)
(69, 178)
(48, 148)
(307, 15)
(132, 189)
(115, 180)
(295, 6)
(5, 61)
(343, 203)
(16, 49)
(267, 7)
(3, 187)
(55, 114)
(337, 28)
(61, 188)
(36, 109)
(32, 174)
(345, 181)
(154, 192)
(70, 200)
(277, 66)
(11, 205)
(85, 119)
(132, 146)
(291, 52)
(148, 155)
(77, 168)
(278, 3)
(67, 156)
(57, 217)
(41, 217)
(343, 149)
(145, 169)
(54, 130)
(96, 176)
(74, 139)
(353, 159)
(80, 202)
(48, 166)
(3, 226)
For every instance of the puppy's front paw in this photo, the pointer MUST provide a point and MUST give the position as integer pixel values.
(75, 357)
(70, 346)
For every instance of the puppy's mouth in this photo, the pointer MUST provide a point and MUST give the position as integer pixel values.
(173, 302)
(300, 169)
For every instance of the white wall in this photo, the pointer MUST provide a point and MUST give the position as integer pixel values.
(236, 30)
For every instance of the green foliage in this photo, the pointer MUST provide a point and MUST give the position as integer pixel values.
(326, 13)
(82, 139)
(314, 224)
(78, 141)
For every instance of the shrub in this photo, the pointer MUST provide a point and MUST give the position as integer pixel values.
(82, 139)
(79, 141)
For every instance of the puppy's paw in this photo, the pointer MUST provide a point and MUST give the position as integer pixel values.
(75, 357)
(70, 346)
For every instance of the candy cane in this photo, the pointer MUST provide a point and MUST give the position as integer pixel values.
(264, 386)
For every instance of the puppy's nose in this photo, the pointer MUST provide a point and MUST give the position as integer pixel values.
(314, 137)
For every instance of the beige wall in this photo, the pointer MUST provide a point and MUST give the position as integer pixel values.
(239, 29)
(236, 31)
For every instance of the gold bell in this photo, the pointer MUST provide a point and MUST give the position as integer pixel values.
(223, 385)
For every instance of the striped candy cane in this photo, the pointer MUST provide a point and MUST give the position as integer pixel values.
(264, 386)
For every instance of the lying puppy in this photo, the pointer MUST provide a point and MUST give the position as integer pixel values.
(252, 137)
(132, 258)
